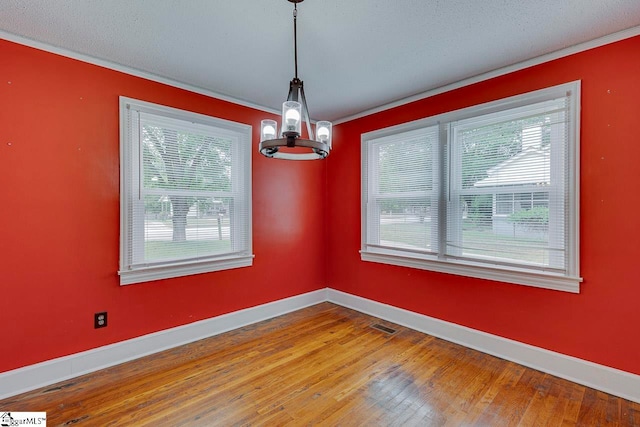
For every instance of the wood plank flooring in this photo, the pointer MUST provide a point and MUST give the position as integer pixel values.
(323, 365)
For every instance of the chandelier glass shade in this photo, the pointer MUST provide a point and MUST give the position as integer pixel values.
(288, 144)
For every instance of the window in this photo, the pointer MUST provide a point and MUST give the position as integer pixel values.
(490, 191)
(507, 204)
(185, 196)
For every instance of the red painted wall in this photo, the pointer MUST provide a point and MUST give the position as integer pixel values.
(601, 323)
(59, 215)
(59, 177)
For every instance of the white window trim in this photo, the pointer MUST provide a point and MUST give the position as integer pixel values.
(166, 270)
(569, 282)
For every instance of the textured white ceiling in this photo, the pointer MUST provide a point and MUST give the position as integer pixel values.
(353, 55)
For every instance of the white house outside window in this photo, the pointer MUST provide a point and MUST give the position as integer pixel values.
(490, 191)
(185, 193)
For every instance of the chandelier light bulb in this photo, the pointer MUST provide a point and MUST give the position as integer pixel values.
(291, 114)
(292, 117)
(268, 130)
(323, 132)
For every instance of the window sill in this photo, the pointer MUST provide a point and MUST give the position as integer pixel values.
(147, 274)
(519, 277)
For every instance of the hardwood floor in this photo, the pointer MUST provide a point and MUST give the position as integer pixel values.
(324, 365)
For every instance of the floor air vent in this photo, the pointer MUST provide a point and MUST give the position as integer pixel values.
(385, 329)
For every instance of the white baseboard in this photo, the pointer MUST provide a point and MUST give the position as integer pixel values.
(609, 380)
(604, 378)
(52, 371)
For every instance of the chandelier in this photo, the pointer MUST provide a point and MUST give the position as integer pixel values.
(294, 111)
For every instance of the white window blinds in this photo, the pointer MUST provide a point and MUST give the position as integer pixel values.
(186, 193)
(403, 191)
(490, 191)
(507, 199)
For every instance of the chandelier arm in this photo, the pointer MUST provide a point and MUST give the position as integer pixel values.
(305, 110)
(293, 91)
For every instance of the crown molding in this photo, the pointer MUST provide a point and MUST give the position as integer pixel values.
(581, 47)
(129, 70)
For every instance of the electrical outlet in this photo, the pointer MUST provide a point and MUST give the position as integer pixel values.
(100, 320)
